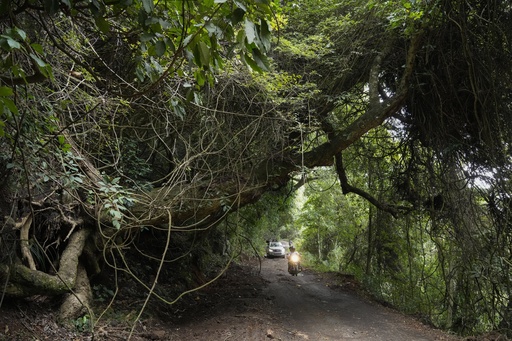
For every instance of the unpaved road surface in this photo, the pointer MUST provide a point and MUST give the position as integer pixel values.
(246, 304)
(304, 307)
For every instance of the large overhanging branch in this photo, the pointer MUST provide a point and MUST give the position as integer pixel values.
(376, 114)
(202, 205)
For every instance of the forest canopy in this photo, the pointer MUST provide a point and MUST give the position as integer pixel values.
(144, 125)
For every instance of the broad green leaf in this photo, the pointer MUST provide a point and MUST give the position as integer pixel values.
(250, 31)
(41, 63)
(102, 24)
(200, 79)
(214, 30)
(5, 91)
(240, 5)
(117, 214)
(13, 44)
(140, 73)
(61, 139)
(170, 44)
(252, 64)
(148, 5)
(240, 37)
(21, 33)
(156, 27)
(37, 47)
(237, 16)
(197, 56)
(265, 35)
(145, 37)
(164, 24)
(44, 67)
(204, 52)
(187, 40)
(197, 99)
(10, 105)
(178, 109)
(116, 224)
(160, 48)
(260, 59)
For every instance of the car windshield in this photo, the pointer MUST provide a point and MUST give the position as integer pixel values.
(276, 244)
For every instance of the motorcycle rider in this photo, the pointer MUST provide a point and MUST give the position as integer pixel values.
(292, 252)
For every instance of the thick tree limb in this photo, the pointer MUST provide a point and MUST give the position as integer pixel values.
(347, 188)
(78, 302)
(375, 115)
(201, 204)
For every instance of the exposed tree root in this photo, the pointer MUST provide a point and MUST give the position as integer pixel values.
(24, 227)
(25, 282)
(78, 302)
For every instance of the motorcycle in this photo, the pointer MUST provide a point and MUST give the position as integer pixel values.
(294, 264)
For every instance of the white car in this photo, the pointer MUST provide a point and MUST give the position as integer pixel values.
(275, 249)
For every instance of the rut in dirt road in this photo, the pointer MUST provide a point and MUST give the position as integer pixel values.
(307, 308)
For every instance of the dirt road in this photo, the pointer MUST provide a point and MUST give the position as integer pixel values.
(299, 308)
(243, 305)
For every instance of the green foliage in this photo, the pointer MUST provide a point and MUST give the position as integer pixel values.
(403, 15)
(208, 23)
(14, 41)
(132, 166)
(83, 323)
(72, 177)
(158, 94)
(7, 108)
(331, 222)
(272, 217)
(437, 263)
(115, 199)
